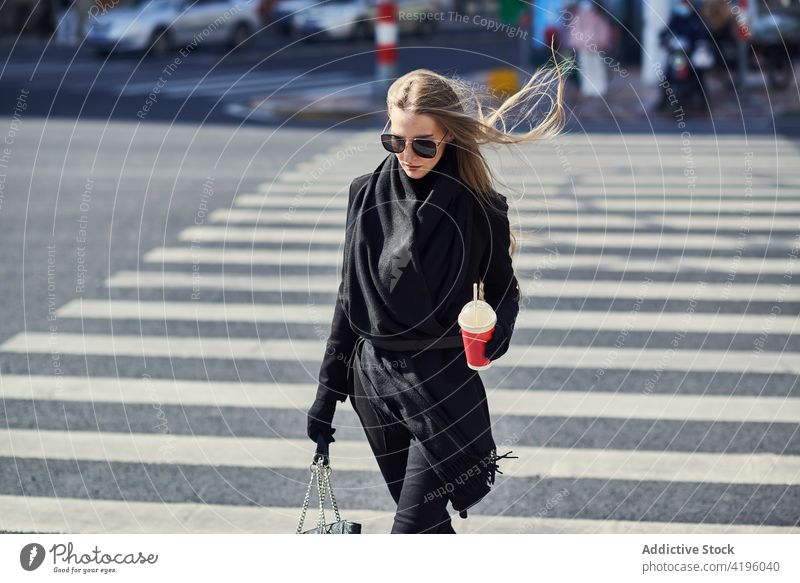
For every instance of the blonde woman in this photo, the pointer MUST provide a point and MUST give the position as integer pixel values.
(421, 229)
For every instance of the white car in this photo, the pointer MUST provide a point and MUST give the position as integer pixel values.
(164, 26)
(285, 11)
(355, 19)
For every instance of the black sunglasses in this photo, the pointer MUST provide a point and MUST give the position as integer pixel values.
(423, 147)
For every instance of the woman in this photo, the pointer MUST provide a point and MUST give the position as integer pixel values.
(421, 228)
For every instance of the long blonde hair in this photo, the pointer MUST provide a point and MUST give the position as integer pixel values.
(465, 111)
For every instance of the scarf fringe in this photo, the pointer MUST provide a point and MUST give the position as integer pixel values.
(494, 469)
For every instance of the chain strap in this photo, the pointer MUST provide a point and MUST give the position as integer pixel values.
(327, 473)
(321, 490)
(324, 486)
(305, 501)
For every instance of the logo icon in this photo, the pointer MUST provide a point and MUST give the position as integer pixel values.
(31, 556)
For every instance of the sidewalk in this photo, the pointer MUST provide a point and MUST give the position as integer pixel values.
(628, 101)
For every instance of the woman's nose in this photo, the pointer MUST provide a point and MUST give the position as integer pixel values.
(408, 154)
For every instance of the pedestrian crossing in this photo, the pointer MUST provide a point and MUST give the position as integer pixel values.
(651, 385)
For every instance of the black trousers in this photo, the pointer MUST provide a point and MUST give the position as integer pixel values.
(411, 481)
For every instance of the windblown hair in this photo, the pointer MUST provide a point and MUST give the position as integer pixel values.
(469, 114)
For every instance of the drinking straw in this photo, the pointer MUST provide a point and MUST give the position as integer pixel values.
(475, 291)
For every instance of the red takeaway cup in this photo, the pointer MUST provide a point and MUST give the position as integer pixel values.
(477, 320)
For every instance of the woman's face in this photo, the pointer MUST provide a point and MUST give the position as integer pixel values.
(411, 125)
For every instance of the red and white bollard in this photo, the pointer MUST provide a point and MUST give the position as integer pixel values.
(742, 13)
(742, 21)
(385, 47)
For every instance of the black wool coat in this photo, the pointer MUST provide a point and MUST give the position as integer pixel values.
(433, 393)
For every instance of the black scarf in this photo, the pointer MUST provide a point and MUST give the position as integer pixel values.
(406, 252)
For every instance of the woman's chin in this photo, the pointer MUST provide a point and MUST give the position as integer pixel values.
(414, 172)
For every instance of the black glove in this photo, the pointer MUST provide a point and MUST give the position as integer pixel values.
(498, 344)
(320, 416)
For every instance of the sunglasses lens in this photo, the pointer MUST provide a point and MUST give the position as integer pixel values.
(392, 143)
(424, 148)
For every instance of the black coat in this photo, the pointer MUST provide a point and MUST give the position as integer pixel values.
(453, 395)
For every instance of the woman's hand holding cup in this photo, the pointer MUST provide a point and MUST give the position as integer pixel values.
(477, 321)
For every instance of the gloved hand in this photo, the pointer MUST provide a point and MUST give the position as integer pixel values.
(320, 416)
(498, 344)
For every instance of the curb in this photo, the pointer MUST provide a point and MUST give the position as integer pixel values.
(302, 106)
(352, 104)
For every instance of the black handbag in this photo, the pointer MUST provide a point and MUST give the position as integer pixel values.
(321, 470)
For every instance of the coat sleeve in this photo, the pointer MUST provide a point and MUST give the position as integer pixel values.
(500, 285)
(341, 341)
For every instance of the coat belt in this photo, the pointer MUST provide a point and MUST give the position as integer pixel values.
(442, 342)
(449, 341)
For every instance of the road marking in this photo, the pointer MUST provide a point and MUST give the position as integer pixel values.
(256, 452)
(285, 190)
(309, 314)
(502, 402)
(625, 240)
(597, 288)
(569, 357)
(213, 80)
(38, 514)
(255, 87)
(610, 163)
(605, 262)
(544, 219)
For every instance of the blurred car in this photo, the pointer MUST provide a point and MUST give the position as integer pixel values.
(163, 26)
(284, 12)
(265, 10)
(353, 19)
(775, 39)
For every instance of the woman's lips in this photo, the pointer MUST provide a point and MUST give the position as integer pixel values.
(413, 167)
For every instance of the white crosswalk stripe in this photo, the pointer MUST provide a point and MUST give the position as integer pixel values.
(527, 261)
(93, 516)
(573, 357)
(524, 388)
(633, 203)
(528, 319)
(293, 216)
(503, 401)
(287, 194)
(673, 290)
(627, 240)
(356, 456)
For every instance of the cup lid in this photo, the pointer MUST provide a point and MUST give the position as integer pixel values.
(477, 314)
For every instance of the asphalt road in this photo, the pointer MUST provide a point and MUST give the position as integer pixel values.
(194, 86)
